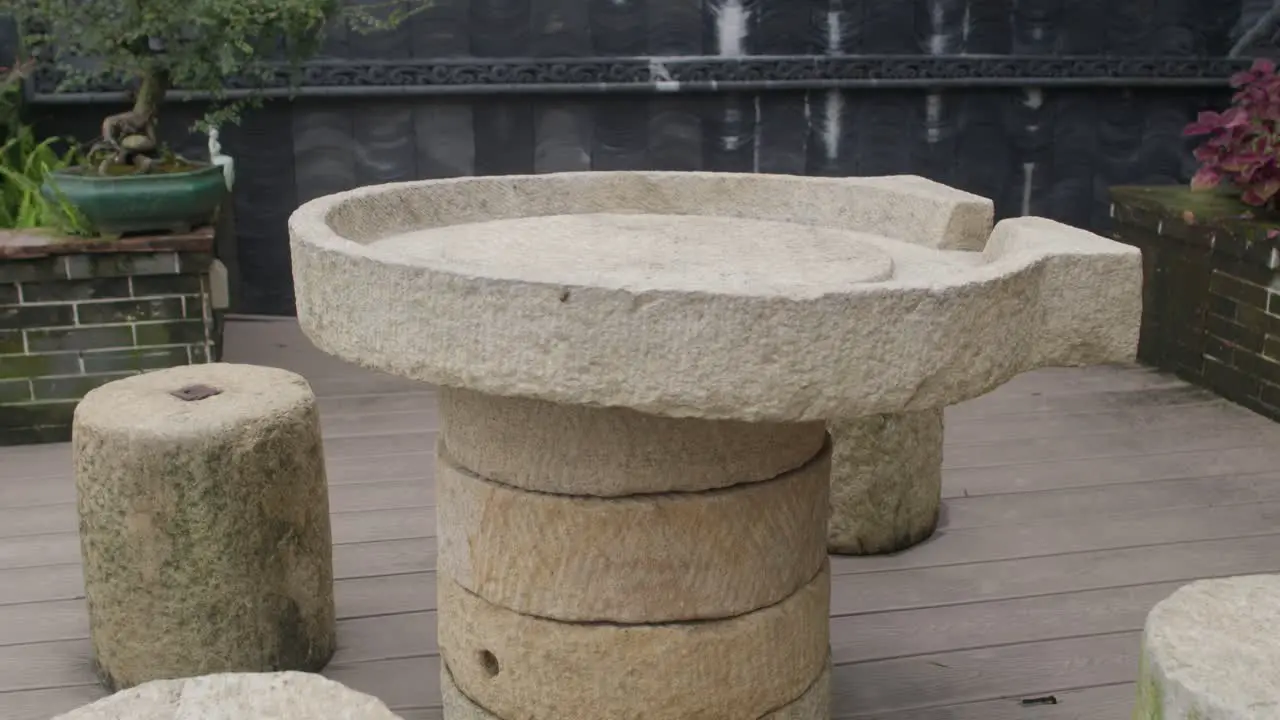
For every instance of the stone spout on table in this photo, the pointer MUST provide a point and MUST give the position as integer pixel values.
(886, 468)
(637, 373)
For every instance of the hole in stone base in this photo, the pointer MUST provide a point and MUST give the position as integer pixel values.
(489, 663)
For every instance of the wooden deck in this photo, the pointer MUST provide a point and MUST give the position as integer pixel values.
(1076, 499)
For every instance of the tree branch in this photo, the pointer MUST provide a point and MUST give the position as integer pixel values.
(1266, 22)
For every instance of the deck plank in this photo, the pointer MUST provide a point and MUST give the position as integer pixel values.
(966, 676)
(1075, 500)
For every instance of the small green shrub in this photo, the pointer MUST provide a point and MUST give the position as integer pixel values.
(25, 162)
(156, 47)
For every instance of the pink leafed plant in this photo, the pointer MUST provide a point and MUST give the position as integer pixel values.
(1243, 145)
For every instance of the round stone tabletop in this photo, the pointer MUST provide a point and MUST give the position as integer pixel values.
(641, 252)
(752, 297)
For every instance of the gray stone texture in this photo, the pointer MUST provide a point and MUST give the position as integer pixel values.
(204, 525)
(814, 704)
(649, 558)
(1210, 652)
(610, 452)
(522, 667)
(237, 696)
(886, 482)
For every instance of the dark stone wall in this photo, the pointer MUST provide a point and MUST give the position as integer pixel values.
(1038, 104)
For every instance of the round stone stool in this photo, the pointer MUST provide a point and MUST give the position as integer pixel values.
(237, 696)
(886, 482)
(204, 524)
(1211, 652)
(636, 373)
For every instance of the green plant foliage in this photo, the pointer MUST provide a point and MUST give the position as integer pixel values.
(157, 46)
(25, 163)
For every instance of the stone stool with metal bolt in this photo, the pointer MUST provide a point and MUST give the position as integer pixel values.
(204, 524)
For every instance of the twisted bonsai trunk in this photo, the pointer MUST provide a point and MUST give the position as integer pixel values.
(131, 136)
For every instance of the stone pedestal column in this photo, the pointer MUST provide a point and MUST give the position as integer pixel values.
(608, 563)
(1210, 652)
(204, 524)
(886, 482)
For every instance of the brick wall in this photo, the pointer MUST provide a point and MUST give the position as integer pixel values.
(1211, 295)
(71, 321)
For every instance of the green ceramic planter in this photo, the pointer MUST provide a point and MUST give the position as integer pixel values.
(156, 202)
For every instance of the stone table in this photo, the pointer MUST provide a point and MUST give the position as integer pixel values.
(636, 371)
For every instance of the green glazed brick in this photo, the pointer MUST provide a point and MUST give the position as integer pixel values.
(11, 342)
(135, 359)
(120, 336)
(193, 307)
(108, 313)
(1268, 370)
(18, 317)
(1272, 348)
(9, 293)
(37, 414)
(73, 387)
(195, 263)
(12, 391)
(32, 366)
(1271, 395)
(1237, 289)
(32, 270)
(179, 332)
(73, 290)
(121, 264)
(166, 285)
(35, 435)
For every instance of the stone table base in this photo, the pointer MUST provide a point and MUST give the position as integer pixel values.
(814, 704)
(886, 482)
(607, 563)
(237, 696)
(1211, 651)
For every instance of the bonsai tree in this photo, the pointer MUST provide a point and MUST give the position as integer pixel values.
(1242, 150)
(153, 47)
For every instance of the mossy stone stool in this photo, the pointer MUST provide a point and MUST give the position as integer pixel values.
(1211, 651)
(204, 524)
(238, 696)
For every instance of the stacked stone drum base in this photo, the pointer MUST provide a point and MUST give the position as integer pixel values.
(1211, 652)
(886, 482)
(814, 703)
(204, 524)
(604, 563)
(237, 696)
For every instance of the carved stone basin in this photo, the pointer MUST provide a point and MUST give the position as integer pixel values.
(636, 373)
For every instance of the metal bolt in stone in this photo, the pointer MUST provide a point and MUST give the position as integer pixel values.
(191, 393)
